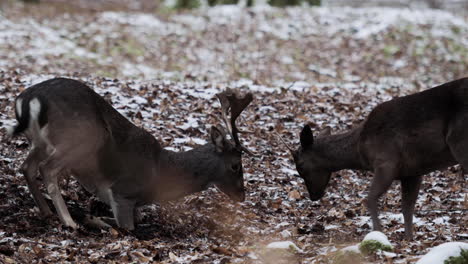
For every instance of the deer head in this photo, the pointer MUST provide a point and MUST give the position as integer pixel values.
(232, 183)
(311, 163)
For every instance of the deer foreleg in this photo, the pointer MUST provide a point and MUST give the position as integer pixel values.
(123, 210)
(385, 173)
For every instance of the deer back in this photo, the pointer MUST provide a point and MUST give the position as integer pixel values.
(91, 139)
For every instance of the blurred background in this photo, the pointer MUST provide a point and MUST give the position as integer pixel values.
(268, 42)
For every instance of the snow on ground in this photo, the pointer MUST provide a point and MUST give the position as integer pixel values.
(144, 45)
(378, 236)
(440, 253)
(283, 245)
(323, 66)
(353, 248)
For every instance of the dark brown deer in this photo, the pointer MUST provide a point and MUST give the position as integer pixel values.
(401, 139)
(72, 130)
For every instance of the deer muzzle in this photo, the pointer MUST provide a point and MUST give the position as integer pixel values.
(238, 196)
(315, 196)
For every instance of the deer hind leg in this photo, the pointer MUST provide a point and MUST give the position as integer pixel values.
(409, 194)
(457, 140)
(30, 171)
(385, 173)
(50, 170)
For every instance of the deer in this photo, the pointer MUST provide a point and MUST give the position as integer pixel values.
(72, 130)
(400, 140)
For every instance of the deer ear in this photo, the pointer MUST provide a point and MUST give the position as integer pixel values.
(325, 132)
(218, 139)
(307, 139)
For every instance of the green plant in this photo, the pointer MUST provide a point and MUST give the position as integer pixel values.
(390, 50)
(294, 2)
(284, 2)
(314, 2)
(462, 259)
(222, 2)
(368, 247)
(456, 29)
(187, 4)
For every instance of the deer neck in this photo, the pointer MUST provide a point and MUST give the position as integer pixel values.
(341, 151)
(183, 173)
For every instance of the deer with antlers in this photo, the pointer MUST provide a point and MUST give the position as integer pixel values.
(72, 130)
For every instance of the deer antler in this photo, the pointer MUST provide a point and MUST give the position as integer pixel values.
(231, 101)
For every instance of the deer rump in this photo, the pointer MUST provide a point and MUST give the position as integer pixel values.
(418, 131)
(64, 119)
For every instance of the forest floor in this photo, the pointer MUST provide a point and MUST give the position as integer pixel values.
(322, 66)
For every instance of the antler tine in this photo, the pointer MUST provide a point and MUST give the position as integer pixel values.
(225, 106)
(231, 101)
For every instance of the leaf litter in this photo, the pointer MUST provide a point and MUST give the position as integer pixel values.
(322, 66)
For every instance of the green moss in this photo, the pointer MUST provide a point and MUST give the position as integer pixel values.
(456, 29)
(292, 248)
(106, 73)
(187, 4)
(347, 257)
(390, 50)
(294, 2)
(314, 2)
(462, 259)
(371, 246)
(284, 2)
(222, 2)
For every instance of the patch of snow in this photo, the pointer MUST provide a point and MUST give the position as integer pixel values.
(252, 256)
(286, 60)
(172, 149)
(378, 236)
(282, 224)
(143, 20)
(326, 250)
(389, 254)
(399, 218)
(284, 245)
(286, 234)
(361, 220)
(191, 122)
(354, 248)
(132, 69)
(288, 171)
(440, 253)
(328, 227)
(197, 23)
(441, 220)
(197, 141)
